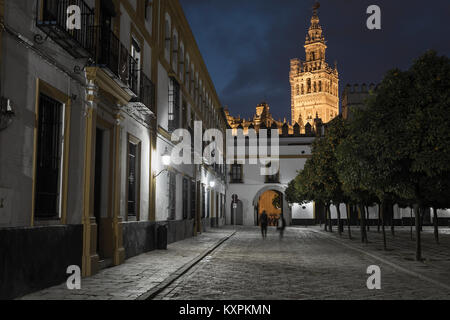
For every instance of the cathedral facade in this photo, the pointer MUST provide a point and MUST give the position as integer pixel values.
(314, 84)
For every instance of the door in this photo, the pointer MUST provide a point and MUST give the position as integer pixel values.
(98, 186)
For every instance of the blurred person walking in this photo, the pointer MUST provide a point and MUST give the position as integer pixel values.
(264, 222)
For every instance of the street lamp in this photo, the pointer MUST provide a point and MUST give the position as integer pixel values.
(166, 161)
(6, 113)
(166, 158)
(212, 184)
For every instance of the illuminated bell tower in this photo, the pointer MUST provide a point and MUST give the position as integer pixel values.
(314, 84)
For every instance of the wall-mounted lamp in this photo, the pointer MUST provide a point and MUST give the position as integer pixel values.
(166, 161)
(212, 184)
(6, 113)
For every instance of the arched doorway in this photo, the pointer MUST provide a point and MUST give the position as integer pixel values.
(272, 200)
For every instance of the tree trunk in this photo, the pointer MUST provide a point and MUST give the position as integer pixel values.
(338, 209)
(391, 209)
(422, 218)
(329, 217)
(347, 206)
(436, 225)
(368, 219)
(379, 218)
(411, 223)
(326, 220)
(381, 212)
(418, 238)
(363, 224)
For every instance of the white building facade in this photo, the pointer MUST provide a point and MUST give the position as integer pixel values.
(94, 108)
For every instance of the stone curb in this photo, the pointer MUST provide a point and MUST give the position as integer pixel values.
(149, 295)
(383, 260)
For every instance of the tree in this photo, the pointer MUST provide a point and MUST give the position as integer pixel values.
(308, 186)
(410, 133)
(277, 204)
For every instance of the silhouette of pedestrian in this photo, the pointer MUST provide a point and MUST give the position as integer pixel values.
(281, 226)
(264, 222)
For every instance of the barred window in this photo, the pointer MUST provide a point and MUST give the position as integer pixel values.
(47, 196)
(133, 177)
(148, 10)
(185, 198)
(172, 191)
(193, 199)
(273, 178)
(236, 173)
(204, 202)
(174, 105)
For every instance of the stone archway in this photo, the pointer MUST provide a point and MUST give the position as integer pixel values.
(285, 210)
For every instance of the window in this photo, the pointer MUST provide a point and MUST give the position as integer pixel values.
(172, 191)
(48, 164)
(187, 77)
(273, 178)
(174, 105)
(223, 206)
(236, 173)
(175, 53)
(168, 39)
(181, 63)
(185, 198)
(184, 118)
(133, 176)
(309, 85)
(208, 203)
(193, 199)
(204, 202)
(148, 10)
(192, 85)
(136, 65)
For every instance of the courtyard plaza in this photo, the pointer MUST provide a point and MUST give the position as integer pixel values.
(236, 263)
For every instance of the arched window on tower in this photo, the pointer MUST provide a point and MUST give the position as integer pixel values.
(303, 89)
(320, 86)
(315, 86)
(297, 90)
(309, 85)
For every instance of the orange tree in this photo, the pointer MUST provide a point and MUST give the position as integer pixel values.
(399, 148)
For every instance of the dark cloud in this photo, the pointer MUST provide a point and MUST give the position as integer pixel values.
(247, 44)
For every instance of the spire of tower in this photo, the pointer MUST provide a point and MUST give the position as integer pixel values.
(315, 30)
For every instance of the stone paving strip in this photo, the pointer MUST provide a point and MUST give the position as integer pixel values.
(143, 276)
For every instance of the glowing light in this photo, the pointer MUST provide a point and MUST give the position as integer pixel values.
(166, 158)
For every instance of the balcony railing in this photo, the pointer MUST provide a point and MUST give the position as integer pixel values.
(52, 20)
(147, 92)
(99, 44)
(110, 53)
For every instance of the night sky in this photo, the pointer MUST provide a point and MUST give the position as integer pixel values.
(247, 44)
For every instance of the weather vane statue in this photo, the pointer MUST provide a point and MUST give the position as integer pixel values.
(316, 6)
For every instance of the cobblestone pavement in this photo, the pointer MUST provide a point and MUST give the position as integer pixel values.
(138, 275)
(402, 250)
(309, 264)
